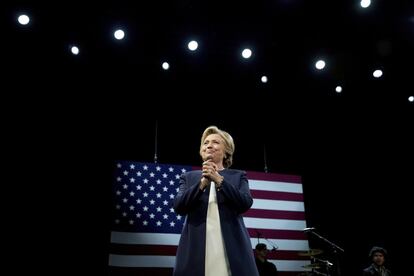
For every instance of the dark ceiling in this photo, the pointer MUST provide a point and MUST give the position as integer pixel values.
(286, 38)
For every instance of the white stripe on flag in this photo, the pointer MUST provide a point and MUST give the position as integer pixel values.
(141, 261)
(293, 245)
(284, 205)
(275, 186)
(144, 238)
(282, 224)
(172, 239)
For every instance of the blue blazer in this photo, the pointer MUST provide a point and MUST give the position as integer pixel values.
(233, 199)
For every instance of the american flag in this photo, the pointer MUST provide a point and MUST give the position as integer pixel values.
(146, 230)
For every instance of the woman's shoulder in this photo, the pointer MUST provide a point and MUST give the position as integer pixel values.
(234, 172)
(192, 173)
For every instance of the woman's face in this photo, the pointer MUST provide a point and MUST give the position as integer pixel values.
(213, 148)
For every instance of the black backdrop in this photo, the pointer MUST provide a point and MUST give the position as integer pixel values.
(65, 119)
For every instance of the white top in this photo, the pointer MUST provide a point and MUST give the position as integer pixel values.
(217, 263)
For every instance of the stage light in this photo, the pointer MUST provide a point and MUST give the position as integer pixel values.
(74, 50)
(23, 19)
(192, 45)
(247, 53)
(320, 64)
(165, 65)
(365, 3)
(377, 73)
(119, 34)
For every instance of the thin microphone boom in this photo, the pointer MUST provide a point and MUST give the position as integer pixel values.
(274, 245)
(308, 229)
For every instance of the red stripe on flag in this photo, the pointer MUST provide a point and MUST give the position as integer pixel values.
(278, 234)
(276, 195)
(285, 255)
(259, 213)
(274, 177)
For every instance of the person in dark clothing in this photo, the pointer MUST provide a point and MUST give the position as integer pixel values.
(264, 267)
(378, 256)
(214, 240)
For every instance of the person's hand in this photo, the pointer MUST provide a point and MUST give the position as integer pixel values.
(203, 183)
(210, 172)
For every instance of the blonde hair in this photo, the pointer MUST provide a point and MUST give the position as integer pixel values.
(228, 143)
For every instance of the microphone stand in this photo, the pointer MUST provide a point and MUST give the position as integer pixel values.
(335, 248)
(275, 247)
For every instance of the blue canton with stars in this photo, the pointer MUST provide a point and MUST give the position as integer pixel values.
(143, 197)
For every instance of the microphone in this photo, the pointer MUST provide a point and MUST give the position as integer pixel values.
(308, 229)
(208, 158)
(258, 233)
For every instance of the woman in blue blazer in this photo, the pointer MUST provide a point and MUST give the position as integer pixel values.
(214, 240)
